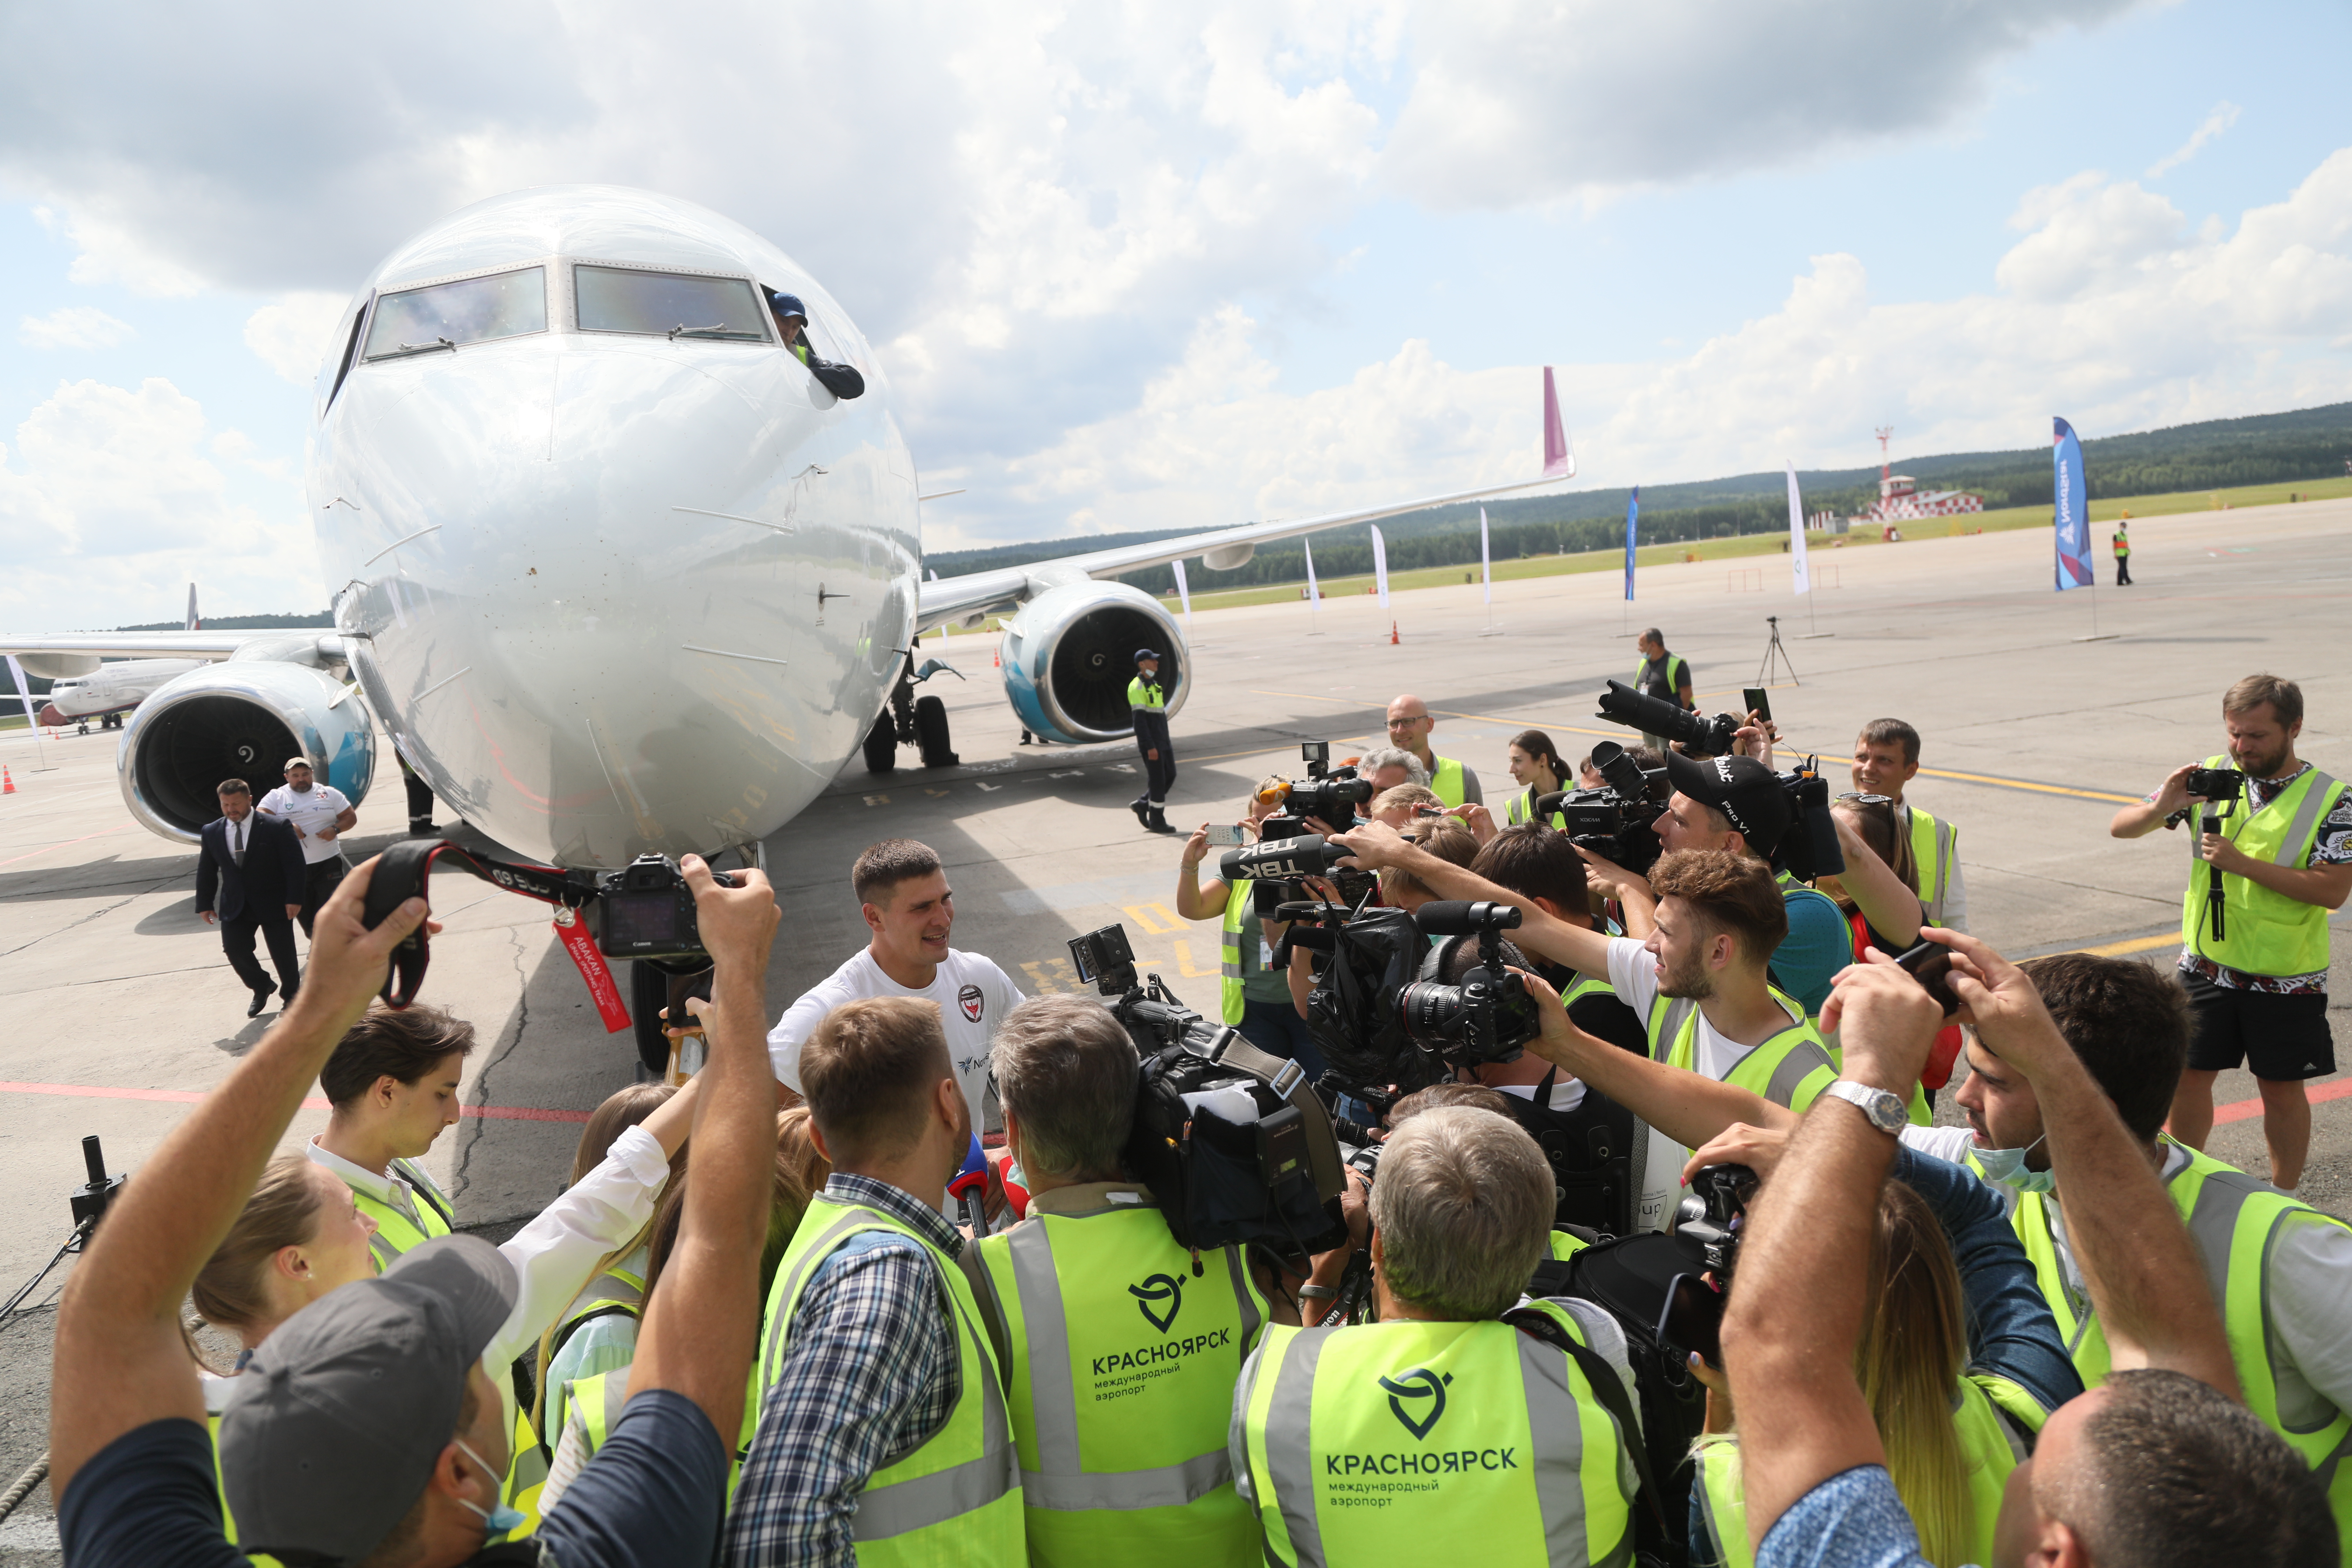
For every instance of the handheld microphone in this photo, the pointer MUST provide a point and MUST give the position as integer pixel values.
(1454, 917)
(970, 1189)
(1285, 859)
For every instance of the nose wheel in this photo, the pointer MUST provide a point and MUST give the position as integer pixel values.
(922, 721)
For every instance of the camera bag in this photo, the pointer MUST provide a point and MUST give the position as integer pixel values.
(1212, 1172)
(1591, 1153)
(1352, 1013)
(1629, 1277)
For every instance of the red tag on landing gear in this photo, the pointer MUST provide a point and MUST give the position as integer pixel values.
(573, 932)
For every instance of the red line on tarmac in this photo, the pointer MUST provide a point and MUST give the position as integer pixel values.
(83, 839)
(2247, 1109)
(189, 1097)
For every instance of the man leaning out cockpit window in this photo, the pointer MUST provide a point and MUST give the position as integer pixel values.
(791, 321)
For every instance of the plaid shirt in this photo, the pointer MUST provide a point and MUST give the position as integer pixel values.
(869, 1375)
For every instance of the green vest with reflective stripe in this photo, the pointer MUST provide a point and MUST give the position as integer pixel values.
(614, 1290)
(228, 1525)
(1446, 780)
(1677, 676)
(1522, 809)
(1935, 849)
(400, 1227)
(1995, 1419)
(1148, 695)
(956, 1499)
(1410, 1441)
(526, 1474)
(2266, 932)
(1122, 1387)
(1237, 905)
(595, 1402)
(1792, 1069)
(2234, 1219)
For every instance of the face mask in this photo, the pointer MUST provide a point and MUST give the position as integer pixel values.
(2006, 1166)
(499, 1521)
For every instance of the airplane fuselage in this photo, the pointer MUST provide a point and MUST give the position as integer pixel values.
(611, 588)
(114, 688)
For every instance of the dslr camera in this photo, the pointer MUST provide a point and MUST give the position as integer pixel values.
(2216, 783)
(1621, 704)
(1613, 821)
(1490, 1014)
(1327, 795)
(645, 909)
(1234, 1140)
(1709, 1220)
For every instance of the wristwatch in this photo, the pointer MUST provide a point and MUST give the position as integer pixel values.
(1886, 1111)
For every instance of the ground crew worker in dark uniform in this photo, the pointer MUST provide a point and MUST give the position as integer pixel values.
(1147, 702)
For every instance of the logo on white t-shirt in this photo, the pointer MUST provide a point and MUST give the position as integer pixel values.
(972, 1003)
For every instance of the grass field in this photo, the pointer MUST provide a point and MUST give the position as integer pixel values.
(2001, 521)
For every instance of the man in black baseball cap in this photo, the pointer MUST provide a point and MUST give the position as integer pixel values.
(365, 1429)
(1738, 804)
(791, 321)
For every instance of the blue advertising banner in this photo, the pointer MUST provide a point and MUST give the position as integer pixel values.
(2071, 504)
(1633, 515)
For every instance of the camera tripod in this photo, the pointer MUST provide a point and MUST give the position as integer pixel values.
(1775, 652)
(2215, 900)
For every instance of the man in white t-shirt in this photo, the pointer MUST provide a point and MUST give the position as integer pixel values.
(320, 817)
(1718, 918)
(903, 893)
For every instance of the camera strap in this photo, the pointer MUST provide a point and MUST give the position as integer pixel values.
(401, 874)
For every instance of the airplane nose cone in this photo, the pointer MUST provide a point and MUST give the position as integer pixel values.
(604, 636)
(50, 716)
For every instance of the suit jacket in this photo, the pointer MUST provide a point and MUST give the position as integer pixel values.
(270, 879)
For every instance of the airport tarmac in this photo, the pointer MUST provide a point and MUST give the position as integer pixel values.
(127, 1012)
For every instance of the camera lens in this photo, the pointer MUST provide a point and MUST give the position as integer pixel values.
(1432, 1014)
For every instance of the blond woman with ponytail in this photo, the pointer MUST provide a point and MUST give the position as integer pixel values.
(1954, 1413)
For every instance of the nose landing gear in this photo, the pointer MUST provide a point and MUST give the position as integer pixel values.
(921, 721)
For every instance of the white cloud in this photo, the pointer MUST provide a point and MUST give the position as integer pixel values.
(108, 501)
(1517, 102)
(73, 327)
(2224, 115)
(2108, 311)
(291, 335)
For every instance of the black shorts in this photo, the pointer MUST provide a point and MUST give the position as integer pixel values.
(2282, 1038)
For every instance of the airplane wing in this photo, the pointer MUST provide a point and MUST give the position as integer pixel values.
(133, 645)
(969, 598)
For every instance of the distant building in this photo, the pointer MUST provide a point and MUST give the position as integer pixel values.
(1900, 500)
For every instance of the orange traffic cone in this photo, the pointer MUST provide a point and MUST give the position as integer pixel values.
(999, 656)
(1392, 634)
(7, 783)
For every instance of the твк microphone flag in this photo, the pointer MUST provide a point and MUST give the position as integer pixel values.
(2071, 504)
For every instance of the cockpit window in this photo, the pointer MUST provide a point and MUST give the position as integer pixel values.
(470, 310)
(670, 304)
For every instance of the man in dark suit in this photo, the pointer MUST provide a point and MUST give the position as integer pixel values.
(249, 878)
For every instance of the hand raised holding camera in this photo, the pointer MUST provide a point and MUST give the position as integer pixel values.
(738, 923)
(1375, 845)
(2000, 1000)
(1758, 1148)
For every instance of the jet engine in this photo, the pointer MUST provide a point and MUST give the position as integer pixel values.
(239, 720)
(1070, 652)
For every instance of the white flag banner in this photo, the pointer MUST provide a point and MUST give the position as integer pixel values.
(1485, 566)
(1799, 572)
(1184, 592)
(24, 688)
(1380, 566)
(1313, 593)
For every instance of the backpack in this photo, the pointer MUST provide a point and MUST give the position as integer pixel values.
(1590, 1152)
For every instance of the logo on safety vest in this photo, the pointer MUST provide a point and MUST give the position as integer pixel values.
(1418, 1384)
(969, 1000)
(1158, 1287)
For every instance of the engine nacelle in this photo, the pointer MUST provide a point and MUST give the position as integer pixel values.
(1070, 652)
(240, 718)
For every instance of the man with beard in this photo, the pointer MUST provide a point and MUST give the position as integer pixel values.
(879, 1379)
(2256, 969)
(1697, 980)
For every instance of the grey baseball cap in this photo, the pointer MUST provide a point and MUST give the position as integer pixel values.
(331, 1434)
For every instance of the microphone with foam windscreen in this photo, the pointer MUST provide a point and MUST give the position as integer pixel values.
(1455, 917)
(970, 1189)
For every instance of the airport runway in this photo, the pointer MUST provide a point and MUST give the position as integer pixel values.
(125, 1011)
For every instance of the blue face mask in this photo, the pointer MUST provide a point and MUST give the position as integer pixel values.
(499, 1521)
(2006, 1166)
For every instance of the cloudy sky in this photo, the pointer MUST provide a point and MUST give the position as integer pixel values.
(1129, 266)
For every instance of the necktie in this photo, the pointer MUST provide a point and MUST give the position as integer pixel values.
(236, 841)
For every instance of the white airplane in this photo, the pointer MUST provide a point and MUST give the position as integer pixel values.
(614, 570)
(112, 690)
